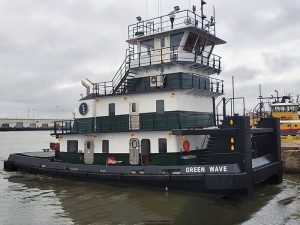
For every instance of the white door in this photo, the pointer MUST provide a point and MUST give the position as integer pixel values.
(89, 152)
(134, 117)
(134, 151)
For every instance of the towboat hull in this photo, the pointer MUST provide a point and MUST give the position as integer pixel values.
(196, 178)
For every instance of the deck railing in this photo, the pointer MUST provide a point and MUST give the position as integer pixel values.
(145, 121)
(182, 18)
(176, 54)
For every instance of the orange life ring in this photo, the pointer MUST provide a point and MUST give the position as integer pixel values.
(186, 146)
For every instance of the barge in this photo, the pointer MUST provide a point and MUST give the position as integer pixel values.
(155, 122)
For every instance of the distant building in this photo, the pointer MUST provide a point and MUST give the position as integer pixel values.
(27, 123)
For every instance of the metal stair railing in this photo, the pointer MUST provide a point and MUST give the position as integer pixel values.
(121, 75)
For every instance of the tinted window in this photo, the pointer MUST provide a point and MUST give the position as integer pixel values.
(175, 40)
(162, 145)
(160, 106)
(190, 42)
(145, 146)
(111, 109)
(72, 146)
(105, 146)
(162, 42)
(147, 46)
(88, 145)
(133, 107)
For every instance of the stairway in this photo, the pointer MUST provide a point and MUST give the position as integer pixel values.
(207, 151)
(119, 81)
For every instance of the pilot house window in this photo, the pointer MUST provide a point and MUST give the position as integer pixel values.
(190, 42)
(175, 40)
(146, 47)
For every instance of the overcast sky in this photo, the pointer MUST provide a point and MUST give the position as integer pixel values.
(47, 47)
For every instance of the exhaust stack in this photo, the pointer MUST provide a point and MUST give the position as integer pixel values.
(88, 88)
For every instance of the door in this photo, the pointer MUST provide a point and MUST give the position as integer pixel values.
(89, 152)
(134, 117)
(134, 151)
(145, 150)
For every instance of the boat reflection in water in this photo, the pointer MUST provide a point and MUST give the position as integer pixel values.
(76, 202)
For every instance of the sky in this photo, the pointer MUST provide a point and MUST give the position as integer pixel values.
(47, 47)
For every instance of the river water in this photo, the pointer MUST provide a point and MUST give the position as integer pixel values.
(30, 199)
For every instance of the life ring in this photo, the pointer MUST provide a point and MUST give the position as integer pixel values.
(186, 146)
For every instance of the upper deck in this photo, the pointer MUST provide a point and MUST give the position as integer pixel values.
(184, 19)
(180, 42)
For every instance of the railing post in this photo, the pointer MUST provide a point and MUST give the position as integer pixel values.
(62, 127)
(150, 56)
(192, 81)
(214, 111)
(161, 60)
(222, 87)
(139, 59)
(224, 107)
(205, 85)
(173, 52)
(55, 130)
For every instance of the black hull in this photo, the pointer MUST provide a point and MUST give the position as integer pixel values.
(208, 182)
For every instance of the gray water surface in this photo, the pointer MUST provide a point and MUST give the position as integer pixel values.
(30, 199)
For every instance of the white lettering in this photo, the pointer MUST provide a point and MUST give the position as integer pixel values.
(218, 169)
(198, 169)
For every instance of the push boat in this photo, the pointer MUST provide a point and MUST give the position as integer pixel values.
(155, 122)
(284, 108)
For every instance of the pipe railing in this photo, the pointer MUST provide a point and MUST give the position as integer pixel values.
(175, 54)
(182, 18)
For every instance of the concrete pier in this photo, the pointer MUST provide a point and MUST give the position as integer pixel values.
(291, 156)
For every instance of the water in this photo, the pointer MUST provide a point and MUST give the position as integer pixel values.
(29, 199)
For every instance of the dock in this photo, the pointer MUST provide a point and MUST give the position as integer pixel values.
(291, 156)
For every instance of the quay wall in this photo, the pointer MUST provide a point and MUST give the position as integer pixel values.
(7, 123)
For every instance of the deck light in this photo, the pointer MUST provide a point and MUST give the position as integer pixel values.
(176, 8)
(194, 9)
(139, 18)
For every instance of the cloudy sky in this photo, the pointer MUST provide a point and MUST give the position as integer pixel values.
(47, 47)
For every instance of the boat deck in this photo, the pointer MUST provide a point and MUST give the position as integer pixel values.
(39, 154)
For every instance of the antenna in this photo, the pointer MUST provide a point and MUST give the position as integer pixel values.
(146, 8)
(202, 13)
(232, 102)
(260, 101)
(214, 12)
